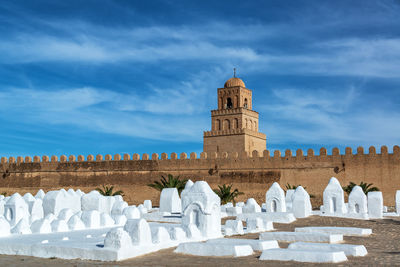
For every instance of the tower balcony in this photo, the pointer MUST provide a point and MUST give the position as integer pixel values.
(234, 132)
(218, 112)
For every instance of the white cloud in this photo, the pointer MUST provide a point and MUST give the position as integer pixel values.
(173, 114)
(321, 117)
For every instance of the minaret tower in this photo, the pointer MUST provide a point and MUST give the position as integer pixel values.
(234, 125)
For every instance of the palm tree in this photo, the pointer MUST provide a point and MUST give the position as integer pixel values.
(171, 182)
(364, 186)
(108, 191)
(226, 194)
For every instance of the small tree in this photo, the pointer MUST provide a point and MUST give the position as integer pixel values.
(226, 194)
(364, 186)
(108, 191)
(171, 182)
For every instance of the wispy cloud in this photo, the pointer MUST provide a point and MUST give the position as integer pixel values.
(173, 114)
(312, 117)
(216, 42)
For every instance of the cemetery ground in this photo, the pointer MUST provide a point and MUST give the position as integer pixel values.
(383, 248)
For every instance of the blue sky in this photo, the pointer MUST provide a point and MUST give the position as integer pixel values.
(97, 77)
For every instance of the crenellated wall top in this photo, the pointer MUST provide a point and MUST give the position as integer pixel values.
(273, 155)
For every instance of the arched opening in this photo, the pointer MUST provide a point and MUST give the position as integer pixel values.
(245, 103)
(218, 125)
(245, 123)
(357, 208)
(332, 205)
(9, 214)
(250, 124)
(229, 103)
(274, 206)
(235, 123)
(194, 217)
(227, 124)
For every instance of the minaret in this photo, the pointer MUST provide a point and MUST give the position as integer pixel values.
(234, 125)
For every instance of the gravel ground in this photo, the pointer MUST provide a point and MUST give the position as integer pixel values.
(383, 249)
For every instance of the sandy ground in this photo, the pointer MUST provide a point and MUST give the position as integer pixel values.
(383, 249)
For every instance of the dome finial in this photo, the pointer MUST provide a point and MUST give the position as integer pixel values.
(234, 72)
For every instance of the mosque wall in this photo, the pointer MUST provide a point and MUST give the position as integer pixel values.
(252, 174)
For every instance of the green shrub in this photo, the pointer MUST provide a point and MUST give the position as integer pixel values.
(108, 191)
(171, 182)
(226, 194)
(364, 186)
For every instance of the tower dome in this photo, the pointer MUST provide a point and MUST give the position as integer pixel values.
(232, 82)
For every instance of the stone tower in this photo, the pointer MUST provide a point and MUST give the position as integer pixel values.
(234, 125)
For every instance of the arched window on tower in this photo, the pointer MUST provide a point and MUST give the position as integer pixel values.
(217, 125)
(229, 103)
(227, 124)
(245, 103)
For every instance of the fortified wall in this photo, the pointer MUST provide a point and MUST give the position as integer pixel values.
(250, 173)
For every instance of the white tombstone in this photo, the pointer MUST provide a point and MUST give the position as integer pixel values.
(50, 217)
(228, 205)
(106, 220)
(234, 227)
(22, 227)
(375, 205)
(2, 203)
(188, 185)
(91, 218)
(240, 204)
(36, 210)
(289, 199)
(95, 201)
(29, 199)
(131, 212)
(160, 235)
(398, 202)
(192, 231)
(40, 194)
(65, 214)
(42, 226)
(59, 226)
(119, 219)
(234, 211)
(15, 209)
(4, 227)
(75, 223)
(147, 204)
(177, 233)
(301, 204)
(254, 224)
(358, 205)
(55, 201)
(251, 206)
(142, 209)
(119, 207)
(117, 238)
(275, 199)
(201, 207)
(170, 201)
(333, 198)
(139, 231)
